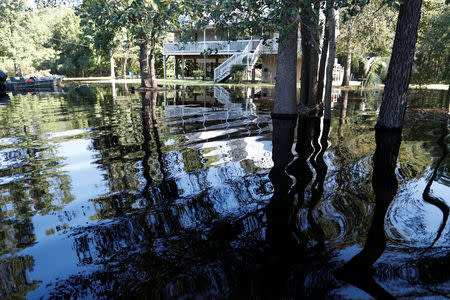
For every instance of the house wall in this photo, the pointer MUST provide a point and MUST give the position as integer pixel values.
(269, 68)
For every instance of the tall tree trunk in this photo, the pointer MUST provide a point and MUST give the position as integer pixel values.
(152, 61)
(143, 63)
(111, 64)
(304, 76)
(286, 81)
(124, 67)
(348, 60)
(330, 66)
(324, 54)
(310, 59)
(393, 106)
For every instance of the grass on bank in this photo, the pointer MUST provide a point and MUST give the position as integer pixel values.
(197, 82)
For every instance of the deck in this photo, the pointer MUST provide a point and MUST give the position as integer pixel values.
(217, 47)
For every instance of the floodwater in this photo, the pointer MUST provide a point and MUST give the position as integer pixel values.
(179, 195)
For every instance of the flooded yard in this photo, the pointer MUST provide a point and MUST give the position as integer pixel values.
(107, 193)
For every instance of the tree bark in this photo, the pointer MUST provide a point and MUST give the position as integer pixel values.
(286, 81)
(152, 61)
(111, 64)
(330, 66)
(143, 63)
(304, 74)
(310, 58)
(124, 67)
(324, 54)
(393, 106)
(348, 61)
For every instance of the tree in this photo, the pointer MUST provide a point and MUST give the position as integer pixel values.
(22, 37)
(433, 44)
(330, 65)
(72, 43)
(13, 15)
(365, 32)
(393, 107)
(286, 85)
(146, 21)
(309, 19)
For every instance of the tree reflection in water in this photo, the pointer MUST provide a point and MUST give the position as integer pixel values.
(296, 239)
(167, 230)
(358, 271)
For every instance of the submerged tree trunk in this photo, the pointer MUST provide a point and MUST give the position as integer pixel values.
(323, 56)
(286, 81)
(348, 60)
(330, 66)
(393, 106)
(143, 63)
(358, 270)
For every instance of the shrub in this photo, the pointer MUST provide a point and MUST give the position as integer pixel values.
(238, 73)
(197, 74)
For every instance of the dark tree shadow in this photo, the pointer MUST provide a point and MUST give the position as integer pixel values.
(358, 271)
(426, 193)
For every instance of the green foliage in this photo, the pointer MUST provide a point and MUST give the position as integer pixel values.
(238, 73)
(23, 35)
(70, 43)
(433, 45)
(371, 31)
(375, 70)
(197, 73)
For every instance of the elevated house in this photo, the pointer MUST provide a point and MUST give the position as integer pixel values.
(215, 55)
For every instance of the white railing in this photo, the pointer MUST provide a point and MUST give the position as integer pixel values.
(219, 47)
(222, 95)
(256, 54)
(224, 69)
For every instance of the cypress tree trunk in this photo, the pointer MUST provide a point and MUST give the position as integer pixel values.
(310, 55)
(393, 107)
(332, 52)
(304, 76)
(324, 54)
(143, 63)
(286, 81)
(348, 61)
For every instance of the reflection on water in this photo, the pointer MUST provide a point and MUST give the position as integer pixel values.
(384, 182)
(106, 193)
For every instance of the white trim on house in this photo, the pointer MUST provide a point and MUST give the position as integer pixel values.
(218, 47)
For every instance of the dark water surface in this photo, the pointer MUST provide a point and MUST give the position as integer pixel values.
(178, 195)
